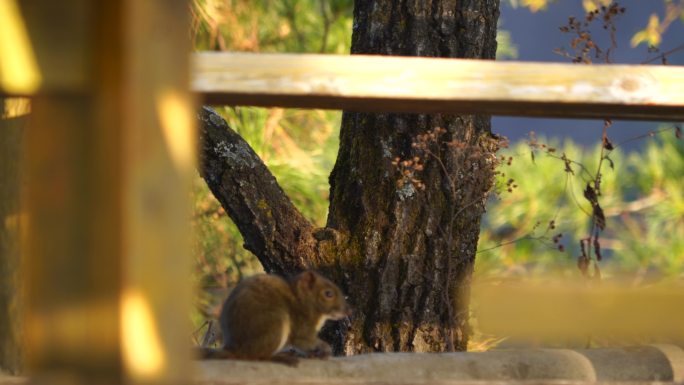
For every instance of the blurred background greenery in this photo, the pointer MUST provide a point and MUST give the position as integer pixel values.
(643, 196)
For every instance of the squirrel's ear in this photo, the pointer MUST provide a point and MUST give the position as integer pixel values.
(308, 278)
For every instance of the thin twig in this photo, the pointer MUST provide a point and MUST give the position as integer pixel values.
(649, 134)
(664, 54)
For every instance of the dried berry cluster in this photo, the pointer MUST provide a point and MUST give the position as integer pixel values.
(583, 44)
(423, 141)
(556, 238)
(461, 163)
(408, 169)
(556, 241)
(510, 185)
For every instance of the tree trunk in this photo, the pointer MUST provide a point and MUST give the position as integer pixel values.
(412, 251)
(407, 192)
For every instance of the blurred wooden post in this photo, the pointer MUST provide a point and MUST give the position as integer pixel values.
(160, 137)
(12, 124)
(108, 158)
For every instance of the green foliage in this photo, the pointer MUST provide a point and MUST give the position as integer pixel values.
(643, 199)
(273, 26)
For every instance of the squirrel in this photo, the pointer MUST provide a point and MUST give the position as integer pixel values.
(265, 313)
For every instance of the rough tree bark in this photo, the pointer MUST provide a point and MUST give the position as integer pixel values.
(403, 254)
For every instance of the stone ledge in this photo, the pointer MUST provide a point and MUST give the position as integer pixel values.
(644, 364)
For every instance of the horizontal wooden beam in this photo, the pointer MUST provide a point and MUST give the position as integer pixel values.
(403, 84)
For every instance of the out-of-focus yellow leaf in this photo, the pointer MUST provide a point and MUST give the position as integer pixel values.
(592, 5)
(650, 35)
(589, 5)
(639, 37)
(535, 5)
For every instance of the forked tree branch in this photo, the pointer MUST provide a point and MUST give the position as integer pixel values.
(272, 227)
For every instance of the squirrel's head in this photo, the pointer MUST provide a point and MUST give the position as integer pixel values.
(322, 297)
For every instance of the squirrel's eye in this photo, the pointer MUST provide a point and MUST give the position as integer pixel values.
(328, 293)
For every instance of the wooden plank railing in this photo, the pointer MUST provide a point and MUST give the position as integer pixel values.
(402, 84)
(412, 84)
